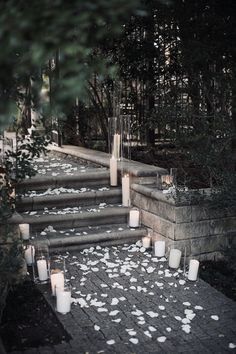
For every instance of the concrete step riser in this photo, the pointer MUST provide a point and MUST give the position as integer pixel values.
(78, 242)
(108, 243)
(83, 181)
(69, 200)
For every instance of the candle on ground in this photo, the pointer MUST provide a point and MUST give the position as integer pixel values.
(63, 300)
(134, 218)
(193, 269)
(57, 280)
(113, 171)
(146, 241)
(125, 191)
(160, 248)
(42, 269)
(29, 255)
(174, 259)
(24, 230)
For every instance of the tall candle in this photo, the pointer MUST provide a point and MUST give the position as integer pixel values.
(57, 280)
(193, 269)
(125, 191)
(174, 259)
(113, 171)
(116, 146)
(42, 269)
(146, 241)
(134, 218)
(160, 248)
(63, 301)
(29, 255)
(24, 230)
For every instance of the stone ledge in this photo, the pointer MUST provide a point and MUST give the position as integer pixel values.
(136, 169)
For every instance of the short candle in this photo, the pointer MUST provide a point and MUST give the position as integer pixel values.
(63, 300)
(134, 218)
(29, 255)
(146, 241)
(160, 248)
(193, 269)
(174, 259)
(42, 269)
(24, 230)
(57, 280)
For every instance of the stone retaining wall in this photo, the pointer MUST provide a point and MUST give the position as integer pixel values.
(205, 232)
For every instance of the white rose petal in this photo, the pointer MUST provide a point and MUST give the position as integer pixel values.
(215, 317)
(152, 314)
(232, 345)
(110, 342)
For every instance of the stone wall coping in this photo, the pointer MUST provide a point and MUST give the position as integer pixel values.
(185, 200)
(137, 169)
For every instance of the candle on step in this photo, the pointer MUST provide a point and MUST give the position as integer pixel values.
(113, 171)
(63, 300)
(116, 146)
(134, 218)
(57, 280)
(160, 248)
(193, 269)
(125, 190)
(174, 258)
(24, 230)
(146, 241)
(42, 269)
(29, 255)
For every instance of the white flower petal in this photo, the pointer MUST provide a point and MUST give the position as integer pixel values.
(161, 339)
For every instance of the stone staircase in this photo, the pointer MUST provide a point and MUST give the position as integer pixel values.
(75, 211)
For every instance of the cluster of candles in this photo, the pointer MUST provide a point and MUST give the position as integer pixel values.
(174, 257)
(53, 271)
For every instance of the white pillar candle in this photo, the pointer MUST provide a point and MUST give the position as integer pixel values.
(134, 218)
(160, 248)
(116, 146)
(174, 259)
(42, 269)
(146, 241)
(193, 269)
(125, 191)
(57, 280)
(63, 301)
(113, 171)
(24, 230)
(29, 255)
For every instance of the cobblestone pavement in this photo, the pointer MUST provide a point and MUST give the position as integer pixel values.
(126, 300)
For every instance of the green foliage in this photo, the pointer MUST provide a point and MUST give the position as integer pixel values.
(33, 32)
(18, 164)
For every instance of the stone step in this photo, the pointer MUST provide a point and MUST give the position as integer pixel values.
(112, 195)
(78, 239)
(73, 218)
(94, 177)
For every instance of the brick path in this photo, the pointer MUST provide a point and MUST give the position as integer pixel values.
(128, 301)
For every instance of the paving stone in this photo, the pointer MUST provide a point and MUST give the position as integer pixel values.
(133, 311)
